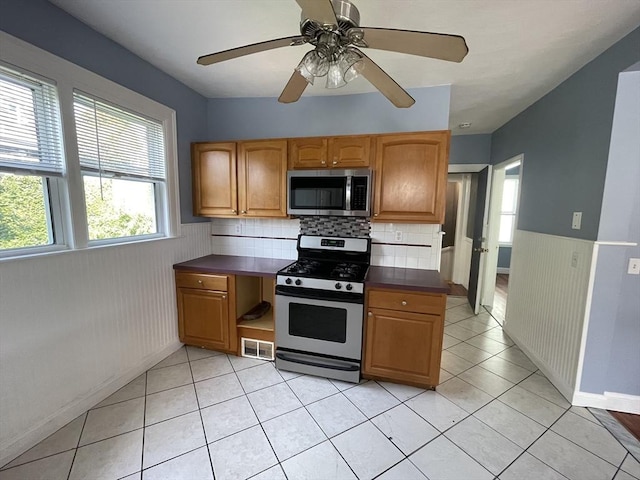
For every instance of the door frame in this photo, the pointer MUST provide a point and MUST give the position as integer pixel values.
(493, 225)
(461, 262)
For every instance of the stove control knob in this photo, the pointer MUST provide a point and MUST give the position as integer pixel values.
(288, 281)
(298, 282)
(349, 286)
(338, 286)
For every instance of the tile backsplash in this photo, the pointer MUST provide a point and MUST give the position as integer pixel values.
(393, 244)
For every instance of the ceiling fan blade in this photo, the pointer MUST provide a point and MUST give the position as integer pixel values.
(383, 82)
(249, 49)
(294, 88)
(452, 48)
(319, 10)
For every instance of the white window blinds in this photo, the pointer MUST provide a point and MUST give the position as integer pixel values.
(115, 142)
(30, 133)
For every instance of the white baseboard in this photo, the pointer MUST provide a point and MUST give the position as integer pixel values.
(71, 411)
(504, 270)
(619, 402)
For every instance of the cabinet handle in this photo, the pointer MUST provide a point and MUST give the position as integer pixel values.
(224, 297)
(200, 282)
(375, 214)
(323, 162)
(370, 314)
(244, 212)
(404, 303)
(335, 162)
(233, 211)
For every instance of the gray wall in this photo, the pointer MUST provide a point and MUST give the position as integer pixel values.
(612, 354)
(470, 149)
(504, 257)
(565, 140)
(251, 118)
(50, 28)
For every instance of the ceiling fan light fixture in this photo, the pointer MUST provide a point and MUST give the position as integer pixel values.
(351, 64)
(335, 77)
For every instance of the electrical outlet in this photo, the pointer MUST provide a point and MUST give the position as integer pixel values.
(574, 259)
(398, 235)
(577, 220)
(634, 266)
(238, 229)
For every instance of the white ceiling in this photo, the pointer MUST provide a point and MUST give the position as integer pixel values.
(518, 49)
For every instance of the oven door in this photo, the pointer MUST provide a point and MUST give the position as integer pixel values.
(318, 325)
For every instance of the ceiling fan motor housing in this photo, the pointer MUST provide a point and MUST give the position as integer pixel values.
(347, 15)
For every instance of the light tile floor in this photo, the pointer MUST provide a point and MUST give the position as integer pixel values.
(203, 415)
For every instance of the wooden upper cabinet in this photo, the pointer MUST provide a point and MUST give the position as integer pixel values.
(262, 178)
(332, 152)
(411, 177)
(350, 152)
(214, 179)
(308, 153)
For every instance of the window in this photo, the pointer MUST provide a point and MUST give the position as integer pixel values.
(123, 169)
(83, 161)
(508, 210)
(31, 162)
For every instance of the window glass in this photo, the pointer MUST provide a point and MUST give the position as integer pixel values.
(30, 160)
(123, 165)
(508, 210)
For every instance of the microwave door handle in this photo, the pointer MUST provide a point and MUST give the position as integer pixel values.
(348, 194)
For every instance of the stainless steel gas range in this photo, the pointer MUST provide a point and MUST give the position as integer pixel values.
(320, 307)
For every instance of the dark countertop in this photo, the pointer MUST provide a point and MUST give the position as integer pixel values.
(381, 277)
(255, 266)
(406, 279)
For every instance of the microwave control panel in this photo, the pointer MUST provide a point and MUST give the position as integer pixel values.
(359, 193)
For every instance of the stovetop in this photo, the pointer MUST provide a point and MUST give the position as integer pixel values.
(309, 268)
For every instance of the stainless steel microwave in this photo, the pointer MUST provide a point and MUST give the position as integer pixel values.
(330, 192)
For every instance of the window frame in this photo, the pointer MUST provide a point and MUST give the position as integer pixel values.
(69, 194)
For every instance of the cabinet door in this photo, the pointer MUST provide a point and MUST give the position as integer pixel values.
(308, 153)
(262, 178)
(350, 152)
(403, 346)
(411, 177)
(203, 318)
(214, 179)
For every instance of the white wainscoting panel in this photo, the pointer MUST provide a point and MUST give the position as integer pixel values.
(446, 263)
(78, 325)
(547, 301)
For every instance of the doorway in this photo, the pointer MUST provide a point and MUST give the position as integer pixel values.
(502, 222)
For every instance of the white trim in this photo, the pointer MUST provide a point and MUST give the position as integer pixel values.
(466, 167)
(587, 316)
(617, 244)
(619, 402)
(70, 411)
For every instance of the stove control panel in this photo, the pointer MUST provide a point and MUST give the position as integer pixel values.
(319, 284)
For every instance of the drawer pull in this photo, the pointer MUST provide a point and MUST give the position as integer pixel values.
(200, 282)
(404, 303)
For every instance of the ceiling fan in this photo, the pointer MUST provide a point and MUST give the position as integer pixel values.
(333, 27)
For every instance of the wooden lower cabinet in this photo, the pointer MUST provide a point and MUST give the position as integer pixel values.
(404, 344)
(205, 311)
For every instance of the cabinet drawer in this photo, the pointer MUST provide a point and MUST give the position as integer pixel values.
(202, 281)
(407, 302)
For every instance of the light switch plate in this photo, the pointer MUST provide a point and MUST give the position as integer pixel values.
(634, 266)
(577, 220)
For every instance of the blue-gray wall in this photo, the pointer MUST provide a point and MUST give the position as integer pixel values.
(565, 140)
(470, 149)
(504, 257)
(251, 118)
(612, 352)
(50, 28)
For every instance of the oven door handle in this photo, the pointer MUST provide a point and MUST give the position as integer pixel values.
(309, 293)
(288, 358)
